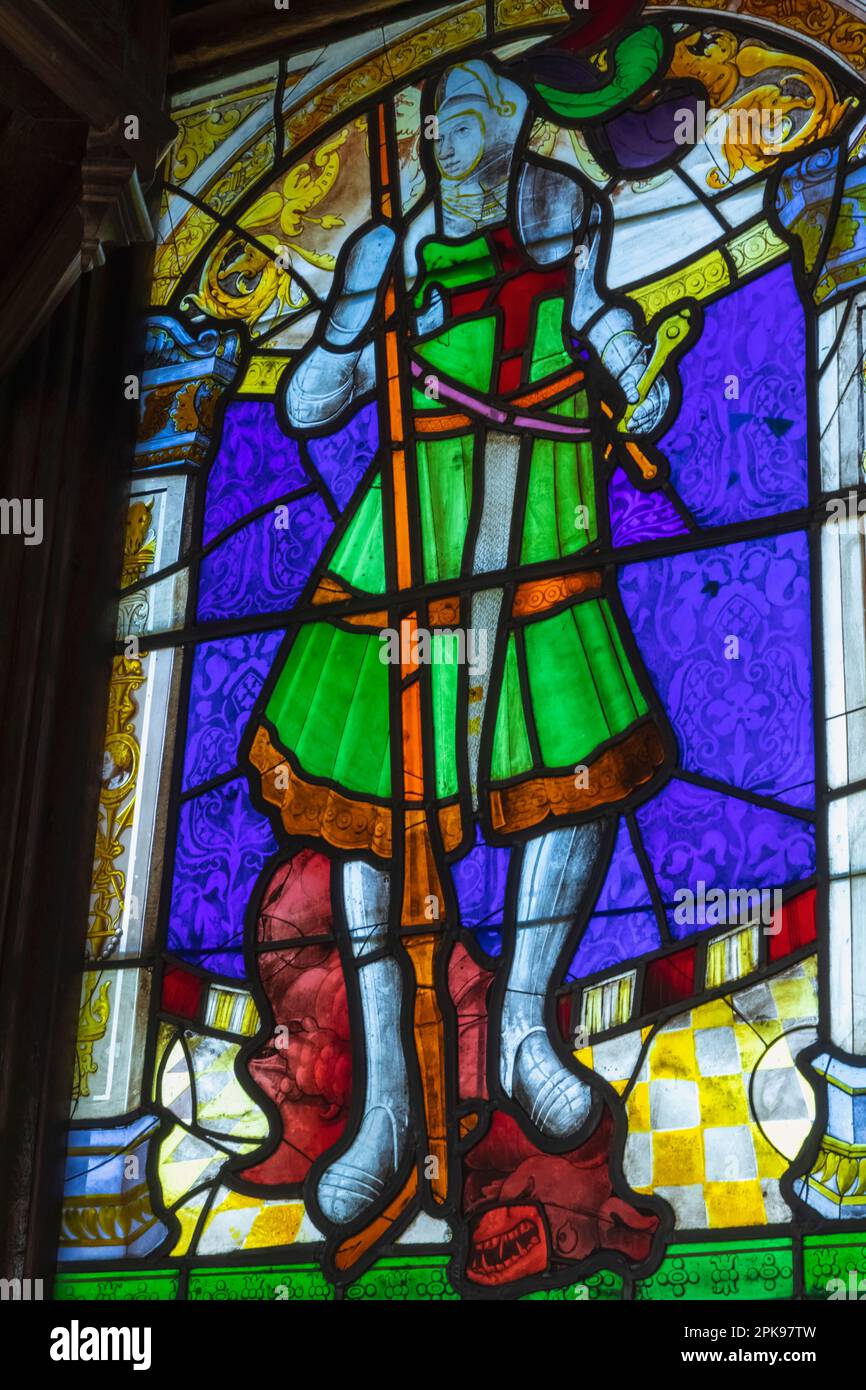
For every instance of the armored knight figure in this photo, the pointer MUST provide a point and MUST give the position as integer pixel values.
(522, 385)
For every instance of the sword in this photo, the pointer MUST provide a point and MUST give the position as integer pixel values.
(671, 336)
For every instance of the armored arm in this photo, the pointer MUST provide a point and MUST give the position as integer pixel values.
(342, 366)
(612, 331)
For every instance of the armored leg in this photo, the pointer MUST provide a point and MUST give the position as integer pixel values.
(359, 1177)
(554, 876)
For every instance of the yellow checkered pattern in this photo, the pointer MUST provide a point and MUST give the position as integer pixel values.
(716, 1108)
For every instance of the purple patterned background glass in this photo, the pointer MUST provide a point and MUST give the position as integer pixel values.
(222, 847)
(693, 835)
(343, 458)
(736, 459)
(479, 882)
(263, 568)
(623, 924)
(637, 516)
(256, 463)
(226, 679)
(743, 719)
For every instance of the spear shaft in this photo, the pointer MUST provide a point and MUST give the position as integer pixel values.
(421, 884)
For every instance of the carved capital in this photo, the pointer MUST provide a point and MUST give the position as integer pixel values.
(184, 379)
(113, 209)
(833, 1183)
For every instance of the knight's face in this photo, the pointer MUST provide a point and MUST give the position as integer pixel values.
(459, 146)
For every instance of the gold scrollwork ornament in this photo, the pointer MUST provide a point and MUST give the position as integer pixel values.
(246, 280)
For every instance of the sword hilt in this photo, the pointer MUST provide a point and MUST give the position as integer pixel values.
(671, 336)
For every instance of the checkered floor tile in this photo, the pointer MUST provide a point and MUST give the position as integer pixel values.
(716, 1108)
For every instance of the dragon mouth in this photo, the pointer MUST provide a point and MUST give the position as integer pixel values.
(508, 1243)
(270, 1059)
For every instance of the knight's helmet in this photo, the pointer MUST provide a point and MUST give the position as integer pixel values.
(498, 102)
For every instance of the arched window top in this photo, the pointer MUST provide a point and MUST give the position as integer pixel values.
(483, 776)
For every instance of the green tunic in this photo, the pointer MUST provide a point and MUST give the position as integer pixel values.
(562, 691)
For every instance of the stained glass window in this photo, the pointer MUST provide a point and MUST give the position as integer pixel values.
(478, 892)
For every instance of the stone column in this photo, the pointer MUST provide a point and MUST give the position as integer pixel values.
(836, 1184)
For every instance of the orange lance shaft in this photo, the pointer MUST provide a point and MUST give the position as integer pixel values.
(421, 881)
(422, 886)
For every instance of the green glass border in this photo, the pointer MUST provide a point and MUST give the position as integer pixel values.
(709, 1271)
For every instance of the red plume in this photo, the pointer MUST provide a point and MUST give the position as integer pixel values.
(592, 34)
